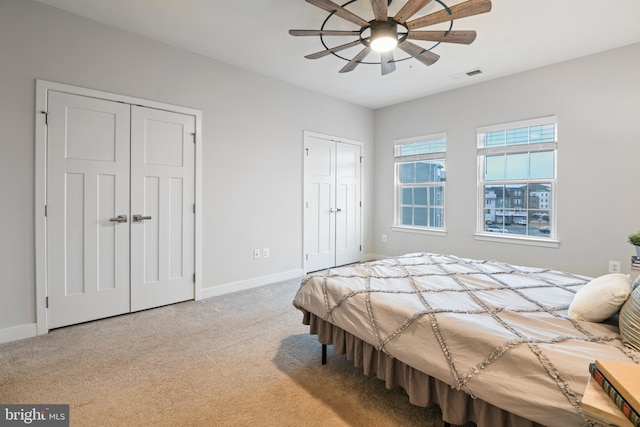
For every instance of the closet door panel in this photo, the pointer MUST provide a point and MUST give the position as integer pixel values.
(87, 209)
(348, 241)
(162, 207)
(320, 194)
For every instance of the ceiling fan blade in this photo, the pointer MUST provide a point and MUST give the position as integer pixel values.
(461, 37)
(386, 62)
(326, 52)
(323, 33)
(356, 60)
(462, 10)
(340, 11)
(379, 9)
(425, 56)
(409, 9)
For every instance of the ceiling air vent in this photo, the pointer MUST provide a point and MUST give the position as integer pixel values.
(465, 74)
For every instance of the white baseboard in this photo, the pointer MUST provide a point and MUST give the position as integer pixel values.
(19, 332)
(242, 285)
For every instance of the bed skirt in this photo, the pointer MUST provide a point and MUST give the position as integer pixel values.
(457, 407)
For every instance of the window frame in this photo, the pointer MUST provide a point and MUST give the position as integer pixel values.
(483, 151)
(397, 188)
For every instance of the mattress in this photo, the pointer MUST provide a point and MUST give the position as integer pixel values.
(494, 331)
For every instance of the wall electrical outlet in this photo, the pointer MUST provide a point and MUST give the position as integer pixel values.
(614, 266)
(384, 238)
(256, 254)
(265, 252)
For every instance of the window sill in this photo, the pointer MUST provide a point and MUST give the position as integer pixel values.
(527, 241)
(429, 231)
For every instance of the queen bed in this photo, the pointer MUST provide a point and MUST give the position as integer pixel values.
(487, 341)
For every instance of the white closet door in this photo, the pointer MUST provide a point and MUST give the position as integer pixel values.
(348, 207)
(162, 197)
(332, 208)
(87, 189)
(120, 202)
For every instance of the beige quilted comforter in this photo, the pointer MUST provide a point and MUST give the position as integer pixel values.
(498, 332)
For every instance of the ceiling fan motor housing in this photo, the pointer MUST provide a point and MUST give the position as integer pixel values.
(384, 35)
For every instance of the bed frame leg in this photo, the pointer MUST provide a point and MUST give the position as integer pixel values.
(324, 354)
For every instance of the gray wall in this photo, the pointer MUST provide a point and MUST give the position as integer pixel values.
(252, 142)
(597, 102)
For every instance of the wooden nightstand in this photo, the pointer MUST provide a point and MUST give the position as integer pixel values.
(599, 408)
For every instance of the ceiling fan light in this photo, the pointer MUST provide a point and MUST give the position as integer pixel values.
(384, 43)
(384, 36)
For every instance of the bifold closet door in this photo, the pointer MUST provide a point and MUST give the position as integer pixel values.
(87, 209)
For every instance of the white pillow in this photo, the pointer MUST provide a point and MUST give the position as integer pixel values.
(601, 298)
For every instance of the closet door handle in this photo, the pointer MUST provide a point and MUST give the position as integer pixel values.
(119, 218)
(140, 218)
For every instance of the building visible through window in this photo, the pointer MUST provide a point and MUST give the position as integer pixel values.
(517, 178)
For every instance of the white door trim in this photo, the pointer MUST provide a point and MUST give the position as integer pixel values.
(306, 136)
(42, 88)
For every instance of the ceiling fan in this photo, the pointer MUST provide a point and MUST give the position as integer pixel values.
(384, 33)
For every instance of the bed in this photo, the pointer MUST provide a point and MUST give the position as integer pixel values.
(487, 341)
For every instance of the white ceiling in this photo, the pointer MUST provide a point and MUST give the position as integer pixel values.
(517, 35)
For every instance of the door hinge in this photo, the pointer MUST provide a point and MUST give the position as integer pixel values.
(194, 137)
(46, 117)
(360, 248)
(46, 302)
(361, 159)
(194, 277)
(194, 208)
(360, 203)
(46, 211)
(307, 150)
(306, 257)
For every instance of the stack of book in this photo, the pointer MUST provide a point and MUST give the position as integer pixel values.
(635, 262)
(612, 396)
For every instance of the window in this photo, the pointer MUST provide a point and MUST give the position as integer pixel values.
(420, 182)
(517, 179)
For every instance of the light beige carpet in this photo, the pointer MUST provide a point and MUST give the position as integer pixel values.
(242, 359)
